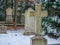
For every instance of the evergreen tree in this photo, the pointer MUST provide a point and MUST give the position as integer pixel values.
(20, 10)
(2, 10)
(51, 24)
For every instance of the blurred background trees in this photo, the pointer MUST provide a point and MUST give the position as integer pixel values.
(51, 24)
(2, 10)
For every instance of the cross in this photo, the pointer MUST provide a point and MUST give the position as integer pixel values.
(39, 15)
(37, 24)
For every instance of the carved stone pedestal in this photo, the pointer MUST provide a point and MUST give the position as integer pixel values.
(38, 40)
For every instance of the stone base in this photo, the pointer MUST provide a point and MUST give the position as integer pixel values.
(38, 40)
(29, 33)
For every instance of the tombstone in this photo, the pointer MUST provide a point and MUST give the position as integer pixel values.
(29, 22)
(9, 18)
(3, 29)
(36, 21)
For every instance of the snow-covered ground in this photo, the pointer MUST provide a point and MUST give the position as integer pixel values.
(17, 38)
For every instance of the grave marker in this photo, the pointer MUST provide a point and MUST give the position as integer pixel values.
(36, 29)
(9, 18)
(33, 20)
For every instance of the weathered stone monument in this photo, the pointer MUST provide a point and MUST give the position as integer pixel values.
(9, 13)
(39, 14)
(3, 29)
(33, 25)
(30, 21)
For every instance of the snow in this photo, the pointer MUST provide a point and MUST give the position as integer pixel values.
(14, 40)
(17, 38)
(52, 41)
(54, 18)
(58, 20)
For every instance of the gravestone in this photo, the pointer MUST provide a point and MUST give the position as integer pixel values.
(3, 29)
(33, 20)
(9, 18)
(36, 21)
(30, 22)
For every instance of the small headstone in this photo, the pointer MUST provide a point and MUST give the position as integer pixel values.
(9, 13)
(3, 29)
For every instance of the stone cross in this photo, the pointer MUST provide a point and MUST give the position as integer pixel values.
(38, 38)
(39, 14)
(33, 21)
